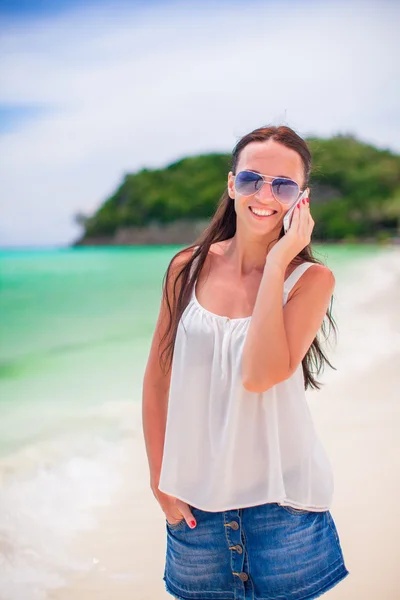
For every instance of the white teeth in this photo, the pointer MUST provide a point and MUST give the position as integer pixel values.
(262, 213)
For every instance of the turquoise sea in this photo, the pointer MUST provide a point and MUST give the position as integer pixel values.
(75, 330)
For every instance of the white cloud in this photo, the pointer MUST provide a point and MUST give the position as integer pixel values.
(128, 88)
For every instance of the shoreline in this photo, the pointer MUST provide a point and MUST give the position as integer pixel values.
(108, 243)
(117, 242)
(188, 231)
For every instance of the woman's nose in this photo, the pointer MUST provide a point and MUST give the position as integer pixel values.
(265, 193)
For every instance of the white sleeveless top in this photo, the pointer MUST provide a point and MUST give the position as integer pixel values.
(225, 447)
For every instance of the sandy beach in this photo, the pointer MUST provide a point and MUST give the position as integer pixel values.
(358, 419)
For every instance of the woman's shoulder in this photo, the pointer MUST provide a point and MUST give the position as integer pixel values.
(300, 261)
(315, 275)
(317, 270)
(181, 258)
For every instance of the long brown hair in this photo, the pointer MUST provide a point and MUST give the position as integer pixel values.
(223, 227)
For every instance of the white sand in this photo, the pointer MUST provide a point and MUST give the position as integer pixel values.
(357, 415)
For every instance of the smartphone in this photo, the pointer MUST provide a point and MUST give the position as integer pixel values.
(287, 219)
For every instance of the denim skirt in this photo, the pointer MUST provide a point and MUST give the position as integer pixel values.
(264, 552)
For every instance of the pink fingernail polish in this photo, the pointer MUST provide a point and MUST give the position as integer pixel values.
(298, 206)
(304, 201)
(192, 523)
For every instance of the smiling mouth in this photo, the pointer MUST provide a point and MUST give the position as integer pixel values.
(263, 216)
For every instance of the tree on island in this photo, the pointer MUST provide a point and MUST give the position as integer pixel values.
(355, 193)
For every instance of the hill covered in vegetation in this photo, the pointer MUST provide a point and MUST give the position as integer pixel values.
(355, 195)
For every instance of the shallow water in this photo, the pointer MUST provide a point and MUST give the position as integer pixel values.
(75, 334)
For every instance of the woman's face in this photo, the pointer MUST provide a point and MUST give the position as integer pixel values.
(268, 158)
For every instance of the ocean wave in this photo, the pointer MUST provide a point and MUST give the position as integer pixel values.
(48, 495)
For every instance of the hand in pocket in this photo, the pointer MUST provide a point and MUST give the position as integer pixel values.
(175, 510)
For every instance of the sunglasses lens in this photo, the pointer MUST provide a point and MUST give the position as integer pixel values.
(248, 183)
(285, 190)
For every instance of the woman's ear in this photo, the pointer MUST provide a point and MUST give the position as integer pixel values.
(231, 184)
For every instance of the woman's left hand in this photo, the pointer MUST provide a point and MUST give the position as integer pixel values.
(297, 237)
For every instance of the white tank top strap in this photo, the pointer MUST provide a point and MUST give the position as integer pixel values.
(294, 277)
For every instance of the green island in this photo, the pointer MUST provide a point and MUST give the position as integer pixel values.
(355, 197)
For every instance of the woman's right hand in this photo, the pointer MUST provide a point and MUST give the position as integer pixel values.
(174, 509)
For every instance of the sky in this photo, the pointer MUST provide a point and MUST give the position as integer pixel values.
(90, 91)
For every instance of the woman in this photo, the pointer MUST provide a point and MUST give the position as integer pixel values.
(235, 462)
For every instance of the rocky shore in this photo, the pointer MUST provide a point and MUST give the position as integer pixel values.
(176, 232)
(185, 232)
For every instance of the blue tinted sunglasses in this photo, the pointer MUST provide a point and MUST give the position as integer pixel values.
(285, 190)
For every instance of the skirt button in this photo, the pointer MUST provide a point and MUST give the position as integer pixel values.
(234, 525)
(243, 576)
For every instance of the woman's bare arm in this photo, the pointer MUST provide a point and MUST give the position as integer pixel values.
(156, 385)
(279, 337)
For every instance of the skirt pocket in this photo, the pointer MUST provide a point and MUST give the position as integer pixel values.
(175, 526)
(292, 510)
